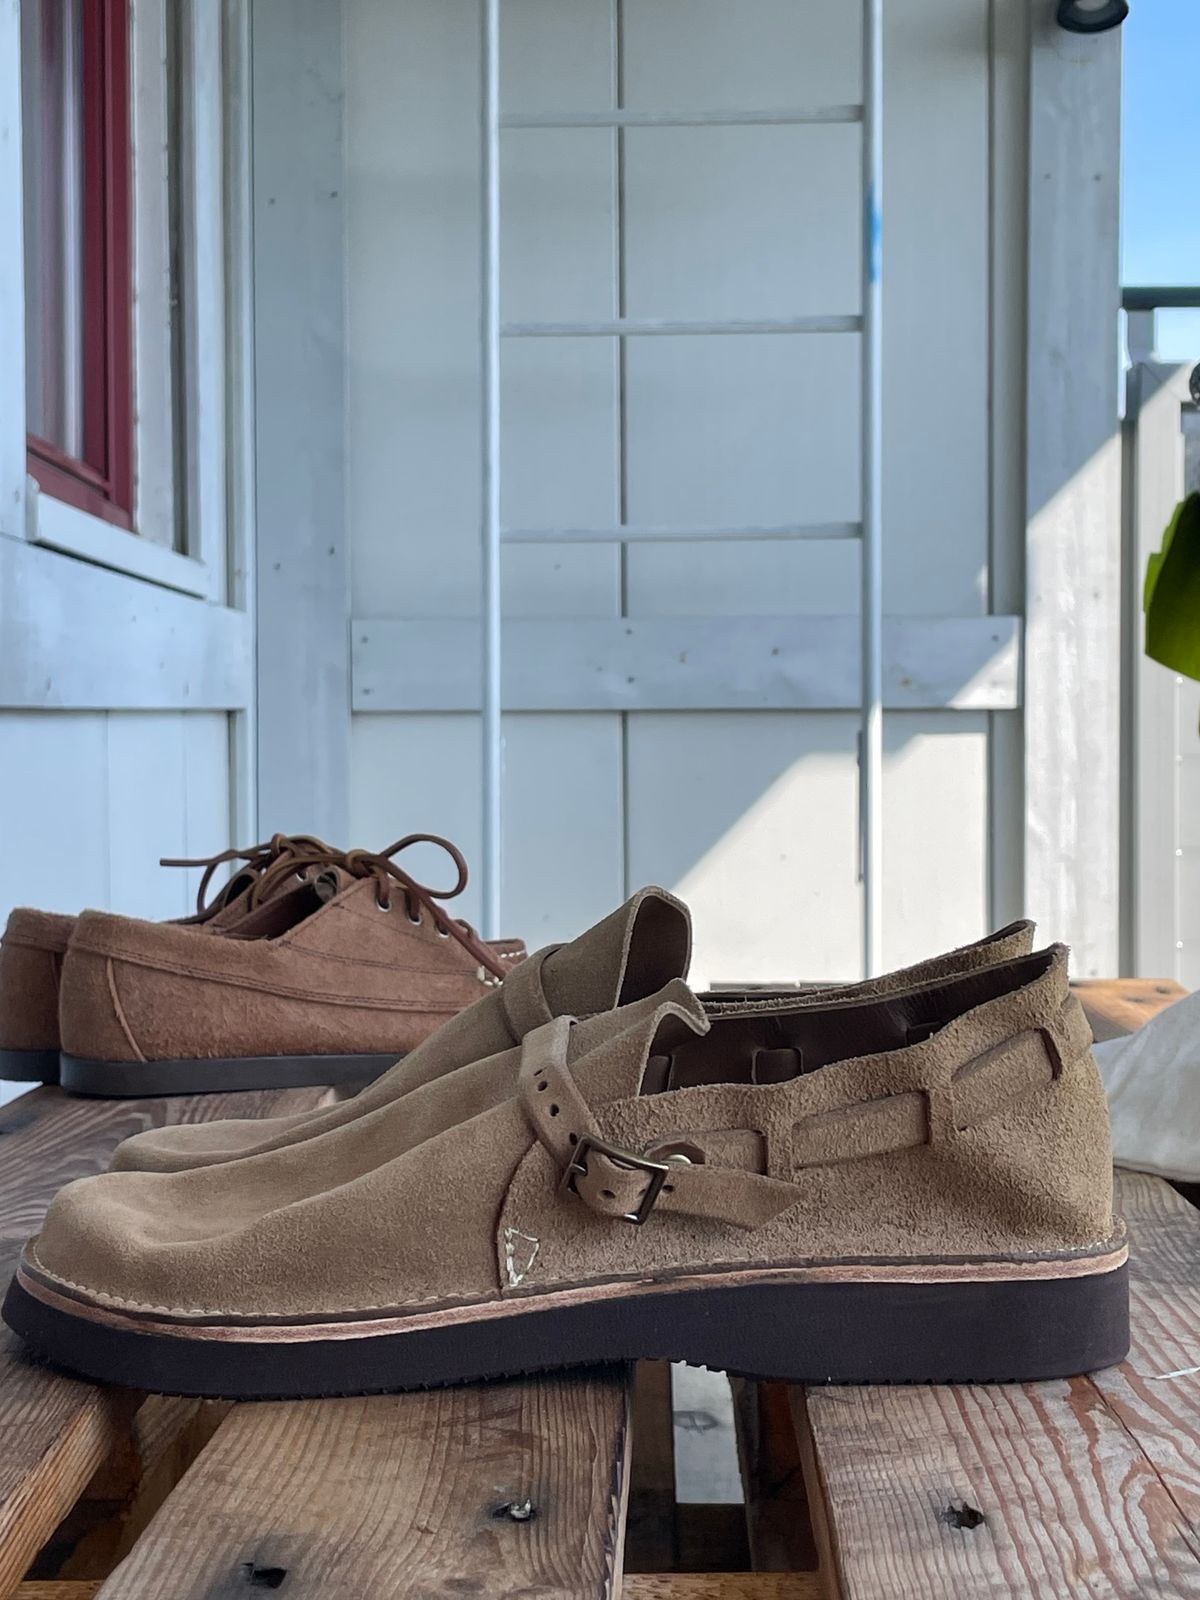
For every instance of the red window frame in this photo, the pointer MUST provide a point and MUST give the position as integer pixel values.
(101, 482)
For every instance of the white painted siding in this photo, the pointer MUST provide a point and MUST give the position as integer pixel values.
(90, 800)
(751, 814)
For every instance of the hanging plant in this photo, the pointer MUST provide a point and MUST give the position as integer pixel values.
(1171, 599)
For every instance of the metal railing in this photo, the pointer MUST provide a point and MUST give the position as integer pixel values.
(1141, 305)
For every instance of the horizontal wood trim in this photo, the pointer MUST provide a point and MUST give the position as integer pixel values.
(78, 531)
(687, 664)
(78, 637)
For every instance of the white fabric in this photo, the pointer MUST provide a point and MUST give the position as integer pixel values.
(1152, 1079)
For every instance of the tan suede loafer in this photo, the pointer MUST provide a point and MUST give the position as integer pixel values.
(627, 956)
(327, 980)
(35, 942)
(909, 1188)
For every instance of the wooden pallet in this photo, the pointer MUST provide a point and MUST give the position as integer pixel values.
(1088, 1487)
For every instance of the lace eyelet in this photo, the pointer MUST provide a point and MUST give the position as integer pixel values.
(417, 920)
(442, 933)
(382, 905)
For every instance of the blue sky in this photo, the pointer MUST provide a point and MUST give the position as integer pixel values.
(1161, 219)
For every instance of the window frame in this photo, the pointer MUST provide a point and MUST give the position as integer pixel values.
(101, 482)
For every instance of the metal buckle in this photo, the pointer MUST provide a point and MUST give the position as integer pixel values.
(656, 1171)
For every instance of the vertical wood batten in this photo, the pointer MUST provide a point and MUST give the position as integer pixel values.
(12, 279)
(1008, 80)
(1073, 657)
(489, 366)
(871, 747)
(303, 598)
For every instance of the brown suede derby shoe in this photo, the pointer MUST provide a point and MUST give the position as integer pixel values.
(31, 958)
(35, 942)
(325, 980)
(914, 1187)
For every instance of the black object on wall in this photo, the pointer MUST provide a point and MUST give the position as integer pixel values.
(1078, 17)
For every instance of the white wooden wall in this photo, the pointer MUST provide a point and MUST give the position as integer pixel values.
(91, 799)
(127, 660)
(1162, 728)
(752, 815)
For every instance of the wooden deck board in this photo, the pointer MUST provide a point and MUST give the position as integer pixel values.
(1116, 1006)
(1087, 1486)
(57, 1431)
(402, 1495)
(1090, 1486)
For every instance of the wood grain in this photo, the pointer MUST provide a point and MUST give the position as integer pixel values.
(720, 1586)
(58, 1431)
(56, 1591)
(1085, 1486)
(778, 1520)
(652, 1537)
(404, 1495)
(1088, 1486)
(1117, 1006)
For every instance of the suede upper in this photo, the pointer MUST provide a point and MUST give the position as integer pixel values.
(323, 968)
(962, 1119)
(31, 959)
(629, 954)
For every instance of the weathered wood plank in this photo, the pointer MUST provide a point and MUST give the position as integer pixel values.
(714, 1586)
(1088, 1486)
(166, 1436)
(1116, 1006)
(778, 1521)
(652, 1536)
(1155, 1395)
(57, 1591)
(505, 1490)
(57, 1431)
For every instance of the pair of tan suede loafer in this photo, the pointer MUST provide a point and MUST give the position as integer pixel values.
(905, 1180)
(312, 965)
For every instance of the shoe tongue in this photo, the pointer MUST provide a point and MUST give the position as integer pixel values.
(631, 954)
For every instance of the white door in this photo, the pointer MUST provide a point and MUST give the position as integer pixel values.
(683, 709)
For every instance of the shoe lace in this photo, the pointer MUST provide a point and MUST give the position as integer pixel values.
(298, 850)
(284, 856)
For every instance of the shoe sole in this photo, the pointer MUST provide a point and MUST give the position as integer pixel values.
(216, 1074)
(29, 1066)
(805, 1325)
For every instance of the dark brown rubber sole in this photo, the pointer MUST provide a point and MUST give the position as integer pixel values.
(826, 1332)
(29, 1066)
(217, 1074)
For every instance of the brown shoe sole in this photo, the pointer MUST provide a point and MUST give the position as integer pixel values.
(978, 1322)
(29, 1066)
(217, 1074)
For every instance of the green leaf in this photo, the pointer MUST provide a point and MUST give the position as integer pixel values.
(1171, 598)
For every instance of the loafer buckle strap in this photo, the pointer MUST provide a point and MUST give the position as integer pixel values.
(671, 1174)
(583, 1167)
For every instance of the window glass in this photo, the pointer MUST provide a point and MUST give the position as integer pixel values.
(52, 116)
